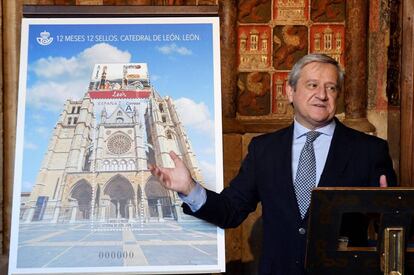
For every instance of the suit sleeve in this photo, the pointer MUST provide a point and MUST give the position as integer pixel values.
(382, 165)
(230, 207)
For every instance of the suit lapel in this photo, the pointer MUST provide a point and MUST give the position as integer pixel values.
(285, 160)
(285, 156)
(337, 159)
(338, 156)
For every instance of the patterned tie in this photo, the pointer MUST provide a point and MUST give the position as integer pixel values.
(306, 173)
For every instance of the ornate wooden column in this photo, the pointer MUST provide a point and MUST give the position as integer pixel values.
(11, 15)
(355, 94)
(407, 95)
(232, 145)
(228, 41)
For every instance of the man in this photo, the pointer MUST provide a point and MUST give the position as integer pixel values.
(281, 168)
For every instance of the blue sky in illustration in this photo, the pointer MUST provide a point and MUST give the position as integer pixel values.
(180, 64)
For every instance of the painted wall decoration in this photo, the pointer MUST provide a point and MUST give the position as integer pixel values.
(290, 43)
(328, 39)
(281, 105)
(290, 11)
(253, 96)
(253, 11)
(272, 44)
(254, 47)
(328, 10)
(99, 100)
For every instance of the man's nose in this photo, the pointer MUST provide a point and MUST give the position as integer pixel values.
(322, 93)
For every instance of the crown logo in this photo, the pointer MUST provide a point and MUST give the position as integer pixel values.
(44, 39)
(45, 34)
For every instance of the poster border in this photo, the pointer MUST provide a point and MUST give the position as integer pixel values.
(19, 150)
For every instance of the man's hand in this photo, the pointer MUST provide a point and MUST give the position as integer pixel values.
(383, 181)
(177, 179)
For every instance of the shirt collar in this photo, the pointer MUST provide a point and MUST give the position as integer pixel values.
(299, 130)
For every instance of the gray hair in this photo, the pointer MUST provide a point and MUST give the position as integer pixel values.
(314, 57)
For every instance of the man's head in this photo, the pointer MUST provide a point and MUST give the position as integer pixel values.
(313, 88)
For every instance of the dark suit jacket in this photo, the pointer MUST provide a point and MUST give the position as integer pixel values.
(354, 159)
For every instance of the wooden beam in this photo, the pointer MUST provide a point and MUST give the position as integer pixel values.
(407, 96)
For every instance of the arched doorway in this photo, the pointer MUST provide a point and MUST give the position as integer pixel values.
(82, 193)
(158, 195)
(121, 195)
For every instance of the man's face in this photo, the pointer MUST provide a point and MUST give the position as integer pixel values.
(314, 99)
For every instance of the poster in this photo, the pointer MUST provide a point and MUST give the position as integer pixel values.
(99, 100)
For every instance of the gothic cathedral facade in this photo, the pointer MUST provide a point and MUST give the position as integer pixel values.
(96, 164)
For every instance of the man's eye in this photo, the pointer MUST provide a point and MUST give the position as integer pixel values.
(312, 85)
(331, 88)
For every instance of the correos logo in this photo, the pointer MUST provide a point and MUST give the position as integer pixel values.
(44, 39)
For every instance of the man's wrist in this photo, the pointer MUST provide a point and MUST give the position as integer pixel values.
(190, 187)
(196, 198)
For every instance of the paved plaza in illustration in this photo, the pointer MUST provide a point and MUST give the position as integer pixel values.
(46, 245)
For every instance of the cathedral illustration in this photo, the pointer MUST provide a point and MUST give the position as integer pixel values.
(95, 166)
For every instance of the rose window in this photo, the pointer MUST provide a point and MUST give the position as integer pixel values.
(119, 144)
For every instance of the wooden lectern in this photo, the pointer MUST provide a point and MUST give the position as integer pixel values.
(387, 223)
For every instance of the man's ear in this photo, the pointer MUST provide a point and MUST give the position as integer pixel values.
(289, 93)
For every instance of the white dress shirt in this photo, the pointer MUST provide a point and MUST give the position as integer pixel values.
(321, 146)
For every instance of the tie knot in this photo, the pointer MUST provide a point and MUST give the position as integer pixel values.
(311, 136)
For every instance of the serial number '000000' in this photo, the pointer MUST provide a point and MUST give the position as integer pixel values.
(116, 254)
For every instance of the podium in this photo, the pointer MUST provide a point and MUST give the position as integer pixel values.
(340, 216)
